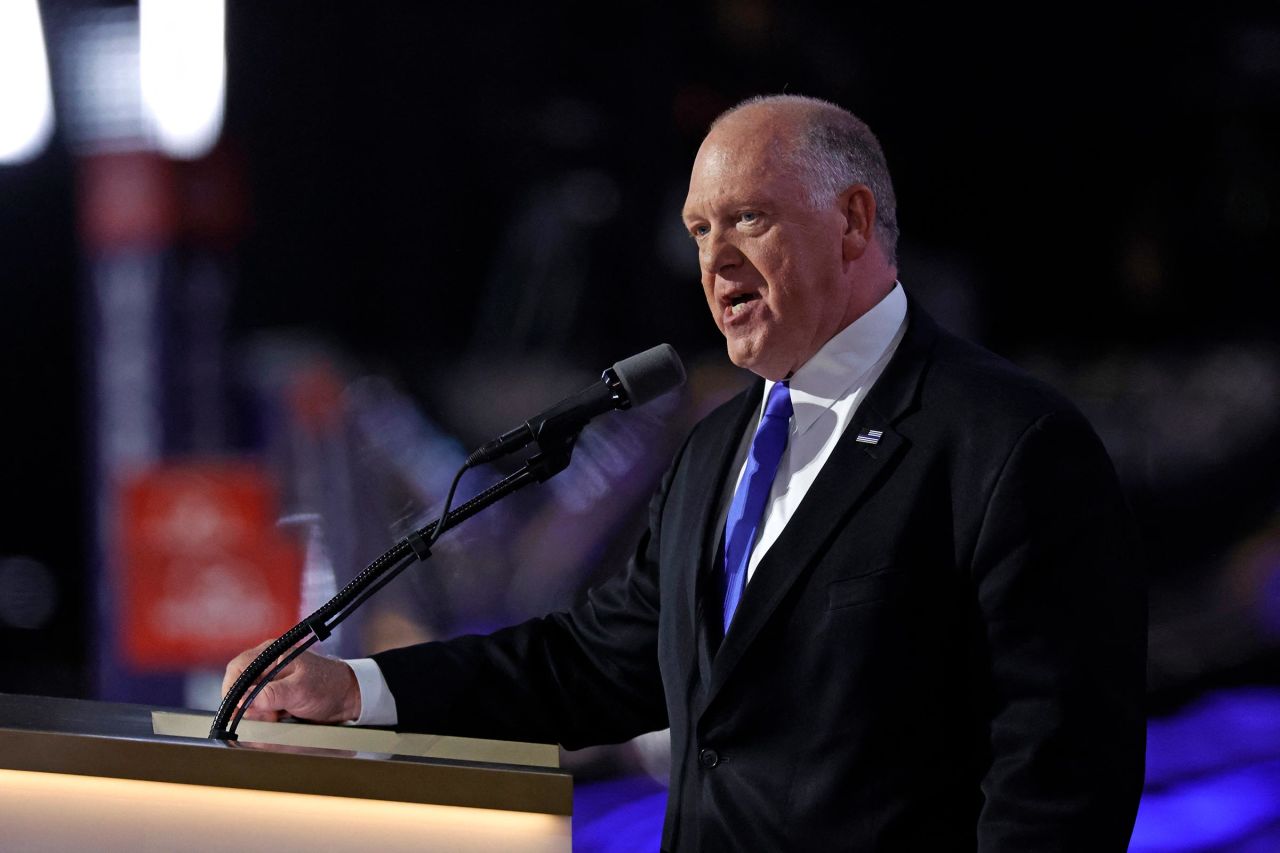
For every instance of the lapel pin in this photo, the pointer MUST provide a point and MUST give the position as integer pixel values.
(870, 436)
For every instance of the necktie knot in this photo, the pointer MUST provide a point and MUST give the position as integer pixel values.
(779, 403)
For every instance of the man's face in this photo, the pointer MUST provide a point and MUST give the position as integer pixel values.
(772, 265)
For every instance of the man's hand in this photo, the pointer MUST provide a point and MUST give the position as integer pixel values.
(311, 688)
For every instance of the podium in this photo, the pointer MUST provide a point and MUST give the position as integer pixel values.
(78, 774)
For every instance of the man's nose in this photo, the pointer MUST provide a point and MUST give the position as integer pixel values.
(718, 253)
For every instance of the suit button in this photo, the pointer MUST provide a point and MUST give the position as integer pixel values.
(708, 758)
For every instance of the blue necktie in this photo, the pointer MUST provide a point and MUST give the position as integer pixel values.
(753, 492)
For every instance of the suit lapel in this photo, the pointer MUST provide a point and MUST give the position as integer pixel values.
(853, 468)
(711, 457)
(721, 454)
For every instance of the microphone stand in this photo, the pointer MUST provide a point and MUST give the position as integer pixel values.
(319, 625)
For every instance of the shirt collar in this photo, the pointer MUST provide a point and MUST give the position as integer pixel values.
(837, 369)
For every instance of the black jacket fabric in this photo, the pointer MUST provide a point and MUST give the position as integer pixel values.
(944, 649)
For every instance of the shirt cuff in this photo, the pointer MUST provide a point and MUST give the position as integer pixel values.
(377, 705)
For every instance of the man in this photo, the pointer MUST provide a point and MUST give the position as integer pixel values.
(889, 597)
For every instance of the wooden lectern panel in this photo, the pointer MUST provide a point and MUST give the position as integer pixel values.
(91, 775)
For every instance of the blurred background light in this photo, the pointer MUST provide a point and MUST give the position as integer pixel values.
(26, 100)
(103, 92)
(184, 73)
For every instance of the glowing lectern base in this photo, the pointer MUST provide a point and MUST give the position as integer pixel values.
(91, 775)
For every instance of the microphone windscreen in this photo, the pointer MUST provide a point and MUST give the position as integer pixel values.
(650, 374)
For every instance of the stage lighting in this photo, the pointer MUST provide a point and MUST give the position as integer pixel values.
(26, 101)
(184, 73)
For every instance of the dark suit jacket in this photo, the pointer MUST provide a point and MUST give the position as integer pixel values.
(944, 650)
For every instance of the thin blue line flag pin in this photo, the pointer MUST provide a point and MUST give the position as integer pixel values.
(870, 436)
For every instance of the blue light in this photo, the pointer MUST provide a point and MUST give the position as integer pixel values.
(618, 816)
(1213, 776)
(1206, 813)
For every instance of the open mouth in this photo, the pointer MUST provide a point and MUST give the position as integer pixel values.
(738, 303)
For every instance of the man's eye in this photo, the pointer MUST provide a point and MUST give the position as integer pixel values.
(748, 216)
(699, 231)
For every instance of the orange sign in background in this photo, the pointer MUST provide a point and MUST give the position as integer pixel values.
(204, 570)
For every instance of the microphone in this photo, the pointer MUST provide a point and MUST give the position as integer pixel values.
(631, 382)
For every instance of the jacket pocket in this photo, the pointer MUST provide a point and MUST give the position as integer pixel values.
(866, 588)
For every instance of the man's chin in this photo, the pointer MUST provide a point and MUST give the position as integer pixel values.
(749, 357)
(741, 354)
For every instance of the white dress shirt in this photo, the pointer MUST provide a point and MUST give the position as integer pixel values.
(825, 393)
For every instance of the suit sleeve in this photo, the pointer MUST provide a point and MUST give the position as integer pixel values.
(1062, 611)
(578, 678)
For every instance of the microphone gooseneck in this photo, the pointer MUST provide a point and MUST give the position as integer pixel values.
(631, 382)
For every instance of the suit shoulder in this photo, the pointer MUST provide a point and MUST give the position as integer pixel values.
(971, 383)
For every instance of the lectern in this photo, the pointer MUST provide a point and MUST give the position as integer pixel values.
(82, 775)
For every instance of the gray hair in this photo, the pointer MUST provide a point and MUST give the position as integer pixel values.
(838, 150)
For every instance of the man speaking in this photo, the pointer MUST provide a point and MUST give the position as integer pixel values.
(889, 597)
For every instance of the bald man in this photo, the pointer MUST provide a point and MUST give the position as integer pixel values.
(889, 597)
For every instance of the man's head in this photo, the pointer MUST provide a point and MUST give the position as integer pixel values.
(792, 209)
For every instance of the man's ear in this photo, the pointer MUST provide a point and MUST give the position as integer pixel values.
(859, 208)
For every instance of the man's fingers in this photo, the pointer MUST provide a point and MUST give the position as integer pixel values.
(262, 716)
(241, 661)
(274, 699)
(238, 664)
(311, 687)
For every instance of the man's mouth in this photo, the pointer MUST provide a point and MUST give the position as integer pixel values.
(739, 302)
